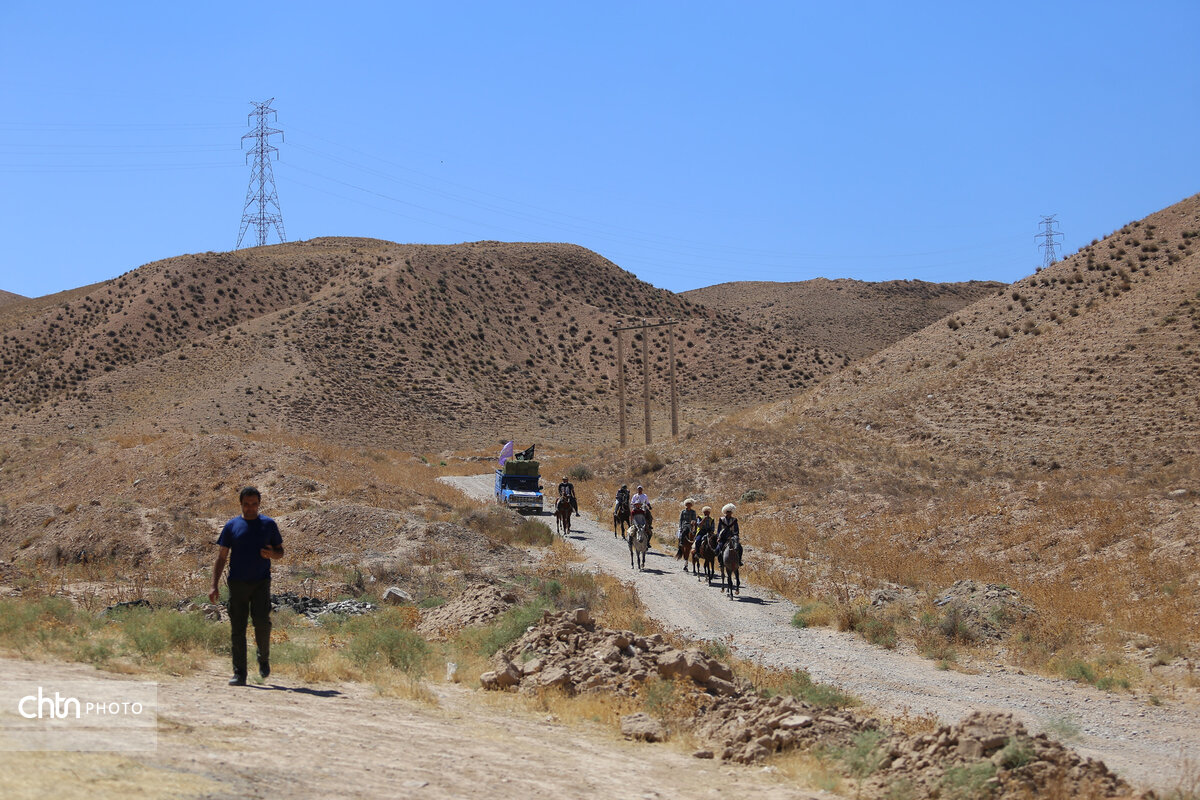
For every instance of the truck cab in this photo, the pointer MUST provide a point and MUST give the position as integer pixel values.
(522, 493)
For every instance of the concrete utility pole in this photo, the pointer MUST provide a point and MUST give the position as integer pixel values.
(646, 378)
(674, 402)
(643, 328)
(621, 383)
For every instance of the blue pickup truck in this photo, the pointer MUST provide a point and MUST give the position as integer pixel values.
(518, 486)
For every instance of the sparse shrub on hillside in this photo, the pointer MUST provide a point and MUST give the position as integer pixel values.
(653, 463)
(580, 472)
(870, 623)
(752, 496)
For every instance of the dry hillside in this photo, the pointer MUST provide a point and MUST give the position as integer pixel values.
(1045, 439)
(368, 341)
(9, 297)
(856, 318)
(1092, 362)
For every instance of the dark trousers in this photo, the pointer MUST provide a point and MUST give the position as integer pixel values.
(250, 599)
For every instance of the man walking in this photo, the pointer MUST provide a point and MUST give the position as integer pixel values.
(248, 543)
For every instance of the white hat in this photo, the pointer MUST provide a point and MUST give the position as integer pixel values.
(728, 507)
(689, 502)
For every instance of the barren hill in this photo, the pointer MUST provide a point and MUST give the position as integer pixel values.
(9, 297)
(369, 341)
(1093, 361)
(856, 318)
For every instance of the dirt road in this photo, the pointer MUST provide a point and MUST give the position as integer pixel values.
(1150, 746)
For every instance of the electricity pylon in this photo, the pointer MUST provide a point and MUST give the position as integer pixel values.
(261, 192)
(1049, 246)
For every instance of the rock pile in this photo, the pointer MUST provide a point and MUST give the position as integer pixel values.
(477, 605)
(984, 755)
(313, 607)
(749, 727)
(989, 609)
(569, 652)
(989, 754)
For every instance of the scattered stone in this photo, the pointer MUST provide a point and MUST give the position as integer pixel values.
(477, 605)
(315, 607)
(732, 722)
(141, 602)
(982, 611)
(642, 727)
(394, 595)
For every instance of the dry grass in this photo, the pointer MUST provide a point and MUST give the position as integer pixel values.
(1098, 554)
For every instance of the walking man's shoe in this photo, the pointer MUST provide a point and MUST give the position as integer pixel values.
(237, 680)
(264, 668)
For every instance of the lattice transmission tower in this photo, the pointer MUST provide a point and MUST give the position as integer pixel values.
(1048, 245)
(261, 196)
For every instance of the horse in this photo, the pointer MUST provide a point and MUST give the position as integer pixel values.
(562, 515)
(731, 565)
(705, 552)
(687, 535)
(639, 543)
(620, 518)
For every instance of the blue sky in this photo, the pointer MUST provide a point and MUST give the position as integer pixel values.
(691, 143)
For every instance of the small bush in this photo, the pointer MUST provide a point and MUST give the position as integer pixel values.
(955, 627)
(752, 496)
(154, 632)
(533, 532)
(377, 637)
(505, 630)
(874, 628)
(1017, 753)
(812, 614)
(800, 685)
(864, 757)
(968, 782)
(580, 472)
(293, 653)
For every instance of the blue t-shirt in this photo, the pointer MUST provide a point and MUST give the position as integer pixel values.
(244, 538)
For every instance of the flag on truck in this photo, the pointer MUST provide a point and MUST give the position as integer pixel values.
(506, 453)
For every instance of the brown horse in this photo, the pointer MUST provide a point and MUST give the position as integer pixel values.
(562, 515)
(620, 519)
(705, 553)
(731, 564)
(687, 535)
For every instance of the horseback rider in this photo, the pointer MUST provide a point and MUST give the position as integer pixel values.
(727, 528)
(622, 498)
(706, 526)
(687, 519)
(567, 489)
(640, 502)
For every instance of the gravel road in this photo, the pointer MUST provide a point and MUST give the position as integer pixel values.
(1150, 746)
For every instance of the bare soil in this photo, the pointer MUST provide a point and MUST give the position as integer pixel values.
(343, 740)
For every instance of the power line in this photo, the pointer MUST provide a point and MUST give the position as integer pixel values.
(255, 212)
